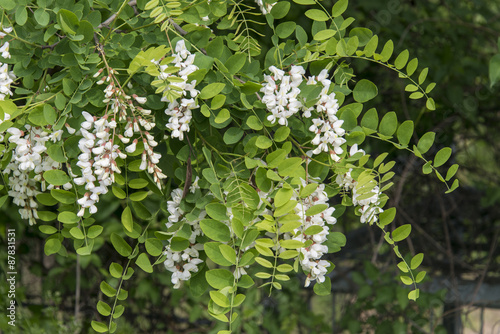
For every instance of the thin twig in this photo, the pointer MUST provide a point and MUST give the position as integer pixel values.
(113, 17)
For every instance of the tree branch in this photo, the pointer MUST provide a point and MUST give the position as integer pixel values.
(113, 17)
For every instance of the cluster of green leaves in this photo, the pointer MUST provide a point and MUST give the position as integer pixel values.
(393, 313)
(232, 147)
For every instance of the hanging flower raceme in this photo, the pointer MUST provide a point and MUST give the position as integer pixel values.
(182, 263)
(180, 93)
(29, 156)
(310, 261)
(367, 197)
(282, 99)
(6, 77)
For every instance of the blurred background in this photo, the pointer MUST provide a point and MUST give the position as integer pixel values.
(457, 232)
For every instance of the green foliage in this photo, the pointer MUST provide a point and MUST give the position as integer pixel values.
(178, 124)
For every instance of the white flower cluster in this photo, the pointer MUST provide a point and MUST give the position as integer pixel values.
(185, 262)
(369, 208)
(29, 157)
(281, 92)
(99, 145)
(6, 77)
(180, 112)
(97, 160)
(311, 262)
(265, 7)
(327, 127)
(281, 96)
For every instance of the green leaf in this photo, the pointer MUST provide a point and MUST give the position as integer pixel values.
(211, 90)
(228, 253)
(214, 253)
(416, 261)
(386, 217)
(222, 116)
(99, 326)
(494, 69)
(68, 217)
(118, 311)
(280, 9)
(420, 276)
(47, 215)
(405, 131)
(7, 4)
(115, 270)
(63, 196)
(281, 134)
(127, 219)
(56, 177)
(254, 123)
(364, 91)
(263, 142)
(21, 15)
(219, 278)
(442, 156)
(371, 46)
(291, 244)
(103, 308)
(138, 183)
(68, 21)
(414, 294)
(76, 233)
(324, 34)
(430, 104)
(370, 119)
(285, 29)
(339, 7)
(47, 229)
(233, 135)
(154, 247)
(263, 262)
(236, 62)
(388, 124)
(406, 280)
(308, 190)
(94, 231)
(401, 232)
(52, 246)
(426, 168)
(219, 299)
(215, 230)
(288, 167)
(323, 289)
(305, 2)
(416, 95)
(401, 59)
(178, 244)
(218, 101)
(425, 142)
(217, 211)
(412, 66)
(143, 263)
(107, 289)
(423, 75)
(451, 172)
(283, 196)
(316, 209)
(314, 229)
(120, 245)
(317, 15)
(387, 51)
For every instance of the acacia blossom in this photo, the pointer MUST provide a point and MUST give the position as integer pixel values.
(29, 156)
(282, 100)
(180, 109)
(6, 77)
